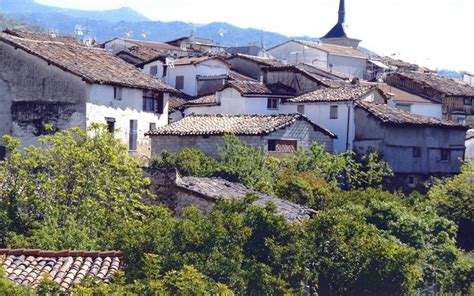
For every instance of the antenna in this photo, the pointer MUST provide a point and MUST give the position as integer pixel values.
(79, 30)
(129, 33)
(221, 34)
(144, 34)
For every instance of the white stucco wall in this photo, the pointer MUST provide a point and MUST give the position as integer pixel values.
(159, 64)
(468, 78)
(101, 104)
(350, 65)
(295, 53)
(433, 110)
(470, 150)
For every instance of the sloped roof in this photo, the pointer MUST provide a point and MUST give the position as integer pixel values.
(151, 44)
(93, 65)
(233, 75)
(295, 69)
(67, 268)
(338, 31)
(441, 84)
(203, 101)
(398, 117)
(402, 96)
(313, 69)
(254, 88)
(210, 124)
(176, 101)
(259, 60)
(42, 36)
(326, 94)
(335, 49)
(197, 60)
(215, 188)
(144, 54)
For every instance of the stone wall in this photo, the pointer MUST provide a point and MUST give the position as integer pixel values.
(36, 93)
(301, 130)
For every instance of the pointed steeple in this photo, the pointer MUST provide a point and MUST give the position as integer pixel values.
(342, 12)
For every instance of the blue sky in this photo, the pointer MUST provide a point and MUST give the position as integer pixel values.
(434, 33)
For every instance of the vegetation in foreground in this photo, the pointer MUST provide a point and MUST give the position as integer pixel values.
(81, 191)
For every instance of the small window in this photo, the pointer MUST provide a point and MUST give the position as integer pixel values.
(110, 124)
(3, 152)
(165, 70)
(461, 119)
(132, 145)
(411, 180)
(333, 112)
(416, 152)
(445, 154)
(160, 104)
(153, 70)
(282, 146)
(468, 101)
(152, 126)
(148, 104)
(272, 104)
(118, 93)
(300, 109)
(271, 145)
(179, 82)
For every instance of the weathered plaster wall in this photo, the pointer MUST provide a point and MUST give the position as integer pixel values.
(470, 150)
(39, 94)
(246, 67)
(297, 81)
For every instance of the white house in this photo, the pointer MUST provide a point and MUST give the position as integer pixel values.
(401, 99)
(468, 78)
(196, 76)
(45, 80)
(332, 57)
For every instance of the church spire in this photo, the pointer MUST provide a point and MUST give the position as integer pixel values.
(342, 12)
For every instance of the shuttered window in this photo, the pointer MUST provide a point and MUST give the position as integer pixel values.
(132, 145)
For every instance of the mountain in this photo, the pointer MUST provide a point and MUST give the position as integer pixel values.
(6, 22)
(29, 7)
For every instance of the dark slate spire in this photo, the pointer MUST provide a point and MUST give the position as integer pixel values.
(339, 30)
(342, 12)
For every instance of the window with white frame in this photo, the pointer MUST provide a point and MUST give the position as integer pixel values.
(272, 103)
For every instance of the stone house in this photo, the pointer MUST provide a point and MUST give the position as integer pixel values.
(456, 97)
(416, 147)
(180, 192)
(67, 268)
(278, 134)
(53, 80)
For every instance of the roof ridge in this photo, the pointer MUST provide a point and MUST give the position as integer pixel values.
(63, 253)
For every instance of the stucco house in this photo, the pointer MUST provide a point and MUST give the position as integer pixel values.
(416, 147)
(51, 80)
(470, 145)
(332, 57)
(457, 97)
(404, 100)
(278, 134)
(252, 66)
(179, 192)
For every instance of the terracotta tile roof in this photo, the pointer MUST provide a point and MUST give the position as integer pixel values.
(294, 69)
(42, 36)
(398, 117)
(67, 268)
(207, 124)
(441, 84)
(402, 96)
(313, 69)
(255, 88)
(259, 60)
(197, 60)
(208, 100)
(233, 75)
(335, 49)
(325, 94)
(397, 63)
(144, 54)
(215, 188)
(93, 65)
(151, 44)
(176, 101)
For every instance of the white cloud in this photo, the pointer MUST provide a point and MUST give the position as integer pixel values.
(435, 33)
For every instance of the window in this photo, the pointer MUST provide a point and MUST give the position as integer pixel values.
(180, 82)
(445, 153)
(300, 109)
(411, 180)
(3, 152)
(152, 126)
(160, 104)
(404, 107)
(282, 146)
(148, 104)
(165, 70)
(118, 93)
(110, 124)
(132, 145)
(153, 70)
(416, 152)
(468, 101)
(333, 112)
(272, 104)
(461, 119)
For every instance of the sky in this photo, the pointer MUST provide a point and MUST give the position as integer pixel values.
(432, 33)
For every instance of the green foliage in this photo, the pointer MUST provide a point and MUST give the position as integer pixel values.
(188, 161)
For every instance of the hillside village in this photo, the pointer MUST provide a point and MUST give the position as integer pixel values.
(192, 93)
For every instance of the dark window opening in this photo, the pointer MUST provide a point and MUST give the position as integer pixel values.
(411, 180)
(468, 101)
(445, 153)
(165, 70)
(154, 104)
(118, 93)
(272, 104)
(132, 145)
(148, 104)
(152, 126)
(282, 146)
(160, 104)
(300, 109)
(333, 112)
(416, 152)
(3, 152)
(179, 82)
(153, 70)
(110, 124)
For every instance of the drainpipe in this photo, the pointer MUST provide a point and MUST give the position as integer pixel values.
(348, 124)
